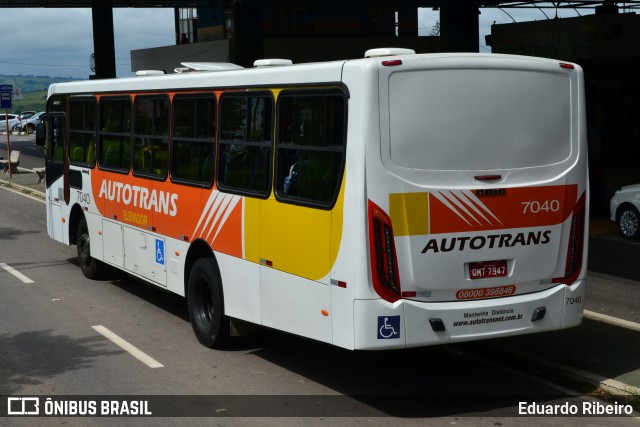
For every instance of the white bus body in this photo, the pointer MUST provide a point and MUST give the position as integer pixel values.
(460, 211)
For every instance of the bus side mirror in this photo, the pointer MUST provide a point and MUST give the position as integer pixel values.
(40, 134)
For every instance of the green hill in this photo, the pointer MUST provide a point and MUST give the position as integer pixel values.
(32, 83)
(34, 90)
(31, 101)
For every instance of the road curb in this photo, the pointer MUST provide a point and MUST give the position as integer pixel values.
(21, 189)
(15, 133)
(612, 320)
(611, 386)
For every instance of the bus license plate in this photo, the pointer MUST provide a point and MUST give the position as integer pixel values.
(488, 269)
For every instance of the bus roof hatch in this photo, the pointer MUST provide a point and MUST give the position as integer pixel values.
(388, 51)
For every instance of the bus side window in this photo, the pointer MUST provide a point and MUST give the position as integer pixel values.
(151, 135)
(114, 134)
(82, 129)
(246, 135)
(194, 126)
(310, 147)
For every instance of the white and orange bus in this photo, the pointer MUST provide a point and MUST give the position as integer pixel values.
(391, 201)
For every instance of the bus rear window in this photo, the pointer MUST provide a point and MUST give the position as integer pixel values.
(479, 119)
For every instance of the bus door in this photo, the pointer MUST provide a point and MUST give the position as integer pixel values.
(55, 166)
(297, 229)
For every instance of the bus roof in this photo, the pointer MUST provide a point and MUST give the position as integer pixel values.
(277, 73)
(320, 72)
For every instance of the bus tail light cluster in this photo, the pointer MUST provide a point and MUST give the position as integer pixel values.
(384, 262)
(575, 249)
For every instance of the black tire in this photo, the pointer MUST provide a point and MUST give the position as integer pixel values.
(91, 268)
(206, 304)
(15, 128)
(628, 221)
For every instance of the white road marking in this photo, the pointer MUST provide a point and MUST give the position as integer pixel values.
(130, 348)
(15, 273)
(612, 320)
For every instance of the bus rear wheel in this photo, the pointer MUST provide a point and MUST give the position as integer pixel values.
(91, 268)
(206, 304)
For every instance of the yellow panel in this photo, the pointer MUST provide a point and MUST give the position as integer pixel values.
(337, 222)
(409, 213)
(252, 229)
(295, 239)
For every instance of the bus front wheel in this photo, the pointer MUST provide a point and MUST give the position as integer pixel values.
(91, 268)
(206, 304)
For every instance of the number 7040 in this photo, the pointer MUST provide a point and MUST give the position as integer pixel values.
(537, 207)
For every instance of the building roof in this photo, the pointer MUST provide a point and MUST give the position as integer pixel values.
(89, 3)
(580, 4)
(577, 4)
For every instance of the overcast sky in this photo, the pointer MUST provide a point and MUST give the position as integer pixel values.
(58, 42)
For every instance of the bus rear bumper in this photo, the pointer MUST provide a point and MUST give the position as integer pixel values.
(407, 323)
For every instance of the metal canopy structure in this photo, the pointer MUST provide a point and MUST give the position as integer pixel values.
(458, 19)
(539, 4)
(530, 4)
(68, 4)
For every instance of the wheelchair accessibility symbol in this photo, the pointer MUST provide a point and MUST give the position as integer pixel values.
(160, 251)
(388, 327)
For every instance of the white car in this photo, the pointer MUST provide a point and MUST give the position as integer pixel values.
(29, 125)
(624, 208)
(14, 122)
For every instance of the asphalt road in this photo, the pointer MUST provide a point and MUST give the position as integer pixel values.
(51, 345)
(613, 296)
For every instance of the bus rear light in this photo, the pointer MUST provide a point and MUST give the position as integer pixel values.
(576, 242)
(575, 249)
(567, 66)
(339, 283)
(384, 262)
(392, 63)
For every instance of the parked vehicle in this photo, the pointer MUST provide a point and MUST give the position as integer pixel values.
(29, 125)
(625, 208)
(26, 114)
(13, 123)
